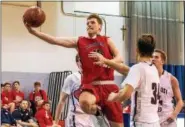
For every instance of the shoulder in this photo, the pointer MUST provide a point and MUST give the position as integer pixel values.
(43, 91)
(174, 80)
(40, 111)
(80, 38)
(137, 66)
(72, 76)
(22, 92)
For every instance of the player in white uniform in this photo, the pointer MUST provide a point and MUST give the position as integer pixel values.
(141, 84)
(169, 88)
(76, 117)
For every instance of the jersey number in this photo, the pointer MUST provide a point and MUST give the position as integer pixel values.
(155, 97)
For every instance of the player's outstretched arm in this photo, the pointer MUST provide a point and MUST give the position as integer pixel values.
(60, 106)
(123, 94)
(62, 41)
(100, 59)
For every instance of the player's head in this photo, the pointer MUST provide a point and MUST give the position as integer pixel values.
(94, 24)
(146, 45)
(16, 85)
(77, 59)
(24, 104)
(37, 86)
(46, 105)
(7, 86)
(159, 57)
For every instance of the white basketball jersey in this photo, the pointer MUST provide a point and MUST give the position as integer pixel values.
(144, 79)
(76, 117)
(166, 105)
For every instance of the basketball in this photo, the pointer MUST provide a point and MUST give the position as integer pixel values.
(34, 16)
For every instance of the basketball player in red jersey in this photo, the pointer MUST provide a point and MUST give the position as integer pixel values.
(97, 80)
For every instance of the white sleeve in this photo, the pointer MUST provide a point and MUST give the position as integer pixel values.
(67, 87)
(133, 77)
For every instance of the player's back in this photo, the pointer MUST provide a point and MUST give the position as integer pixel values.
(145, 97)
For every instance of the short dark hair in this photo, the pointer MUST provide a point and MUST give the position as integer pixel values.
(25, 100)
(7, 83)
(37, 84)
(97, 17)
(146, 45)
(16, 82)
(162, 53)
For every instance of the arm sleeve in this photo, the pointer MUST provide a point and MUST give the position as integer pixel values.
(133, 78)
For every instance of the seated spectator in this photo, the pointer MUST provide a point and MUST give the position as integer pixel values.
(7, 119)
(37, 97)
(44, 117)
(7, 97)
(18, 96)
(23, 116)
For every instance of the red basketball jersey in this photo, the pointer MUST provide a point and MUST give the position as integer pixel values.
(92, 72)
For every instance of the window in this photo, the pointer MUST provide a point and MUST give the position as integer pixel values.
(108, 8)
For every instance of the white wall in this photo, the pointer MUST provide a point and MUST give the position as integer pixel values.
(22, 52)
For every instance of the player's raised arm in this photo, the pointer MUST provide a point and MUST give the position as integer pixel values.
(68, 42)
(35, 17)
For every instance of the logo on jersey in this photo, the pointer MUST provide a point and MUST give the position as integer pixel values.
(163, 90)
(98, 51)
(95, 44)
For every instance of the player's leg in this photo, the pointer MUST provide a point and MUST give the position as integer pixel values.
(112, 110)
(87, 102)
(12, 106)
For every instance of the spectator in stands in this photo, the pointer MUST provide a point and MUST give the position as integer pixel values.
(18, 96)
(7, 119)
(23, 116)
(44, 116)
(7, 97)
(37, 97)
(2, 87)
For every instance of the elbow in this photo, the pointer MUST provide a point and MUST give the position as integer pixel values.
(120, 59)
(182, 103)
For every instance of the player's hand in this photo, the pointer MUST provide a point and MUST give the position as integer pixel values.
(171, 118)
(29, 28)
(99, 59)
(112, 96)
